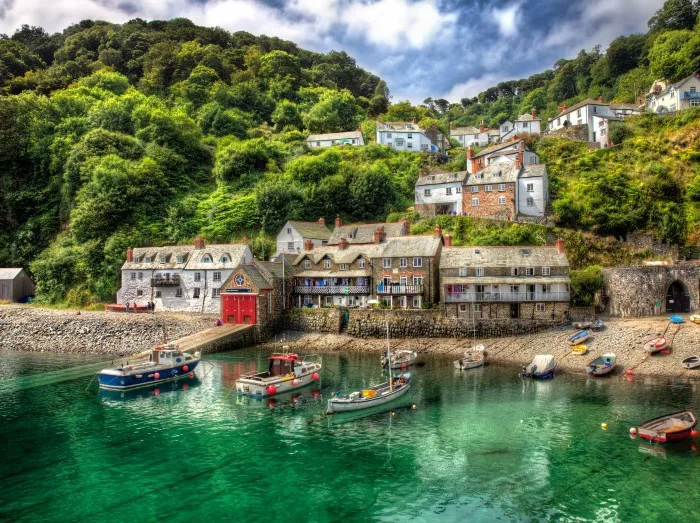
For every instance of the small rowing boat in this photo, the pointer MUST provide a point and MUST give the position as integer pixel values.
(695, 318)
(581, 325)
(542, 367)
(602, 365)
(579, 350)
(400, 359)
(597, 326)
(655, 344)
(579, 337)
(470, 360)
(676, 426)
(676, 319)
(691, 363)
(286, 371)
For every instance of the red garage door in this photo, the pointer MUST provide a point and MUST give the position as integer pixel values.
(239, 308)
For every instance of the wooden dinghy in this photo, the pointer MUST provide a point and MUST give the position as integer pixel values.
(676, 426)
(579, 350)
(691, 363)
(371, 397)
(602, 365)
(655, 344)
(579, 337)
(400, 359)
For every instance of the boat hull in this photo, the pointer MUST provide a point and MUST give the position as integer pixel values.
(600, 370)
(336, 406)
(691, 363)
(259, 388)
(667, 438)
(144, 377)
(578, 339)
(657, 430)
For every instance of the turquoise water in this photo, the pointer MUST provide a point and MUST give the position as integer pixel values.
(479, 446)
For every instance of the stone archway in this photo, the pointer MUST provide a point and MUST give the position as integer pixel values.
(677, 297)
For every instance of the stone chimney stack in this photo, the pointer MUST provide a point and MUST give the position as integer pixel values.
(481, 127)
(379, 234)
(322, 220)
(447, 240)
(308, 245)
(600, 99)
(470, 164)
(338, 221)
(244, 241)
(130, 254)
(534, 113)
(342, 243)
(413, 120)
(199, 243)
(520, 160)
(559, 244)
(437, 232)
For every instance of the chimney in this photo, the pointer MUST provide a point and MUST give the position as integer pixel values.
(534, 113)
(244, 241)
(452, 125)
(413, 120)
(470, 164)
(338, 221)
(447, 239)
(437, 232)
(342, 244)
(379, 234)
(199, 243)
(308, 245)
(600, 99)
(322, 220)
(481, 127)
(519, 160)
(130, 254)
(559, 244)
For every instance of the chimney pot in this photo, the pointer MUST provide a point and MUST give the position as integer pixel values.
(470, 153)
(308, 245)
(379, 234)
(413, 120)
(559, 244)
(322, 220)
(130, 254)
(600, 99)
(534, 113)
(481, 127)
(199, 243)
(338, 221)
(342, 243)
(447, 240)
(437, 232)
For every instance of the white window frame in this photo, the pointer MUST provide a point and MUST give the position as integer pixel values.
(178, 292)
(501, 200)
(463, 272)
(403, 262)
(462, 307)
(197, 276)
(418, 280)
(530, 187)
(416, 302)
(475, 202)
(215, 292)
(361, 263)
(326, 264)
(477, 307)
(448, 191)
(540, 307)
(488, 188)
(343, 266)
(195, 293)
(529, 271)
(426, 192)
(216, 276)
(501, 187)
(418, 262)
(475, 189)
(546, 271)
(133, 275)
(478, 271)
(307, 264)
(386, 263)
(458, 189)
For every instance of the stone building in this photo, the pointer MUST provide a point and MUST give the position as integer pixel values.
(180, 277)
(504, 282)
(359, 233)
(15, 285)
(648, 290)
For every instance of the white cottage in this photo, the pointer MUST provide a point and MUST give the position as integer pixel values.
(470, 136)
(330, 139)
(597, 115)
(292, 237)
(675, 97)
(525, 124)
(409, 136)
(533, 190)
(439, 193)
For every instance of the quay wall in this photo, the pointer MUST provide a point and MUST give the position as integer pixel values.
(314, 320)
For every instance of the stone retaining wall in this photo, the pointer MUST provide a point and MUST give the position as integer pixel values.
(314, 320)
(582, 313)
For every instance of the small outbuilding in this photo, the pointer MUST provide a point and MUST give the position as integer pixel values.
(15, 285)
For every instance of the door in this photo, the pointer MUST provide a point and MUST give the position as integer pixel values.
(530, 292)
(677, 298)
(515, 310)
(239, 308)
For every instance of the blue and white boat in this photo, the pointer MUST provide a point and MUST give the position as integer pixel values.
(165, 363)
(579, 337)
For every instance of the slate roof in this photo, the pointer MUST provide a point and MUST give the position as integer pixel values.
(456, 257)
(334, 274)
(347, 255)
(334, 136)
(310, 230)
(364, 232)
(9, 273)
(534, 171)
(459, 131)
(587, 101)
(410, 246)
(397, 247)
(527, 117)
(398, 126)
(438, 178)
(517, 280)
(493, 132)
(493, 174)
(236, 252)
(498, 147)
(630, 107)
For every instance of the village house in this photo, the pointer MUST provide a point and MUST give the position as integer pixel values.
(494, 135)
(409, 136)
(439, 193)
(625, 110)
(596, 115)
(331, 139)
(293, 236)
(525, 124)
(504, 282)
(15, 285)
(501, 153)
(182, 277)
(470, 136)
(675, 97)
(364, 232)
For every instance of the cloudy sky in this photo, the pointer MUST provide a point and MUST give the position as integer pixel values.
(439, 48)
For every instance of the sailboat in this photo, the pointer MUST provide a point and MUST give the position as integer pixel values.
(473, 357)
(380, 394)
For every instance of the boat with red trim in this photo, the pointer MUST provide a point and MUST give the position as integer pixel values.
(165, 363)
(287, 371)
(676, 426)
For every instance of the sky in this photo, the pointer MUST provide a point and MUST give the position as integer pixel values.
(439, 48)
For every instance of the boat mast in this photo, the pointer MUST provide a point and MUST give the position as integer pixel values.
(388, 358)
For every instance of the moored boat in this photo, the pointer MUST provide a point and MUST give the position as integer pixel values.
(655, 344)
(691, 363)
(579, 350)
(676, 426)
(602, 365)
(165, 363)
(695, 318)
(400, 359)
(287, 371)
(676, 319)
(542, 367)
(470, 360)
(582, 325)
(372, 396)
(597, 325)
(579, 337)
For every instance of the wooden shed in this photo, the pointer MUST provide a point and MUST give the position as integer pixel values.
(15, 285)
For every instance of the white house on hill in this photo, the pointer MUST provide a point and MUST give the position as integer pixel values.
(330, 139)
(409, 136)
(469, 136)
(292, 237)
(597, 115)
(439, 193)
(676, 97)
(525, 124)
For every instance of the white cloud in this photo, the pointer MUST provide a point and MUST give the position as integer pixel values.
(474, 86)
(507, 19)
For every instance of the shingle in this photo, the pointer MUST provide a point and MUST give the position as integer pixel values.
(364, 232)
(456, 257)
(502, 172)
(582, 103)
(411, 246)
(311, 230)
(460, 131)
(534, 171)
(435, 179)
(498, 147)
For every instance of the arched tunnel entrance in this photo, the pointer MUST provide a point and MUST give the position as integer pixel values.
(677, 298)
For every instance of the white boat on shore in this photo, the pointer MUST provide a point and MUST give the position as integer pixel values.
(602, 365)
(400, 359)
(691, 363)
(287, 371)
(471, 359)
(655, 344)
(542, 367)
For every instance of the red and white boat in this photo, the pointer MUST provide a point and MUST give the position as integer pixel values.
(655, 344)
(670, 427)
(287, 371)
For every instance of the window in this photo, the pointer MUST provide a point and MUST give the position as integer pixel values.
(418, 280)
(180, 259)
(426, 192)
(409, 145)
(178, 292)
(217, 276)
(225, 259)
(529, 271)
(488, 188)
(418, 262)
(388, 135)
(530, 187)
(475, 202)
(601, 123)
(147, 259)
(215, 292)
(692, 89)
(195, 292)
(163, 259)
(343, 266)
(463, 272)
(448, 191)
(307, 264)
(290, 246)
(398, 142)
(558, 121)
(603, 132)
(462, 307)
(326, 264)
(501, 200)
(206, 259)
(140, 276)
(546, 271)
(578, 113)
(361, 263)
(479, 271)
(475, 189)
(524, 125)
(695, 103)
(410, 136)
(595, 108)
(197, 276)
(477, 307)
(501, 187)
(530, 201)
(403, 262)
(158, 294)
(386, 263)
(416, 302)
(514, 271)
(289, 230)
(515, 289)
(139, 292)
(458, 190)
(133, 275)
(539, 307)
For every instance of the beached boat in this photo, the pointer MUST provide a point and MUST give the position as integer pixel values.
(400, 359)
(695, 318)
(372, 396)
(471, 360)
(597, 326)
(602, 365)
(165, 363)
(542, 367)
(579, 337)
(287, 371)
(579, 350)
(676, 426)
(655, 344)
(691, 363)
(676, 319)
(582, 325)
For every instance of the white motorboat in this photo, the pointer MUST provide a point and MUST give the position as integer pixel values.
(287, 371)
(400, 359)
(370, 397)
(470, 360)
(602, 365)
(542, 367)
(691, 363)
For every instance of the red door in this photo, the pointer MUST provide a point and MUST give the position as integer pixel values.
(239, 308)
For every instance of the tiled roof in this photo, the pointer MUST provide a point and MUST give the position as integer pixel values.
(310, 230)
(582, 103)
(498, 147)
(392, 248)
(334, 274)
(534, 171)
(504, 172)
(527, 117)
(9, 273)
(411, 246)
(347, 255)
(459, 131)
(517, 280)
(364, 232)
(236, 252)
(456, 257)
(334, 136)
(438, 178)
(493, 132)
(631, 107)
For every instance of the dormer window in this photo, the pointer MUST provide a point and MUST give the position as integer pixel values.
(206, 259)
(147, 259)
(225, 259)
(180, 259)
(361, 263)
(307, 264)
(326, 264)
(163, 259)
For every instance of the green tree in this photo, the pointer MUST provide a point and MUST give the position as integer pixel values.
(585, 283)
(634, 85)
(674, 15)
(334, 112)
(675, 55)
(287, 115)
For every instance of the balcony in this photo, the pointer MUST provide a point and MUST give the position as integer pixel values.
(329, 290)
(687, 95)
(166, 281)
(506, 297)
(399, 290)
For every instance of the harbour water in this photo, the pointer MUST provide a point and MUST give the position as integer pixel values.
(481, 445)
